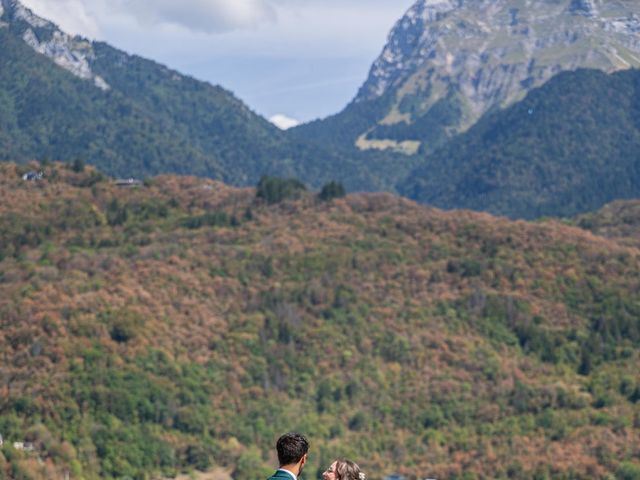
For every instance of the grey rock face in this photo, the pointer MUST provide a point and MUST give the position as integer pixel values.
(71, 53)
(490, 53)
(396, 57)
(583, 7)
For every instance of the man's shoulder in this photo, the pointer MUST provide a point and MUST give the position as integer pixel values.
(280, 475)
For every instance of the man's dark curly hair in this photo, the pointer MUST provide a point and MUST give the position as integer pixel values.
(291, 448)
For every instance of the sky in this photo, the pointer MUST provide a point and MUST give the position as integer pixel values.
(292, 60)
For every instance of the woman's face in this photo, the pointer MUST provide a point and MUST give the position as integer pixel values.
(330, 473)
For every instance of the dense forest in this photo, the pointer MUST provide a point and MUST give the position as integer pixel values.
(182, 325)
(570, 147)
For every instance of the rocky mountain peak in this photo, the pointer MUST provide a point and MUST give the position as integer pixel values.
(485, 54)
(72, 53)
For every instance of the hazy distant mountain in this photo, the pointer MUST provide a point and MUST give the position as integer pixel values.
(448, 62)
(64, 97)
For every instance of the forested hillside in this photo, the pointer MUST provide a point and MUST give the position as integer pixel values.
(569, 147)
(618, 220)
(148, 119)
(183, 325)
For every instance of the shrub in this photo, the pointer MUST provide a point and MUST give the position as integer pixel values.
(332, 190)
(209, 219)
(250, 466)
(358, 422)
(628, 471)
(274, 190)
(124, 325)
(198, 457)
(78, 165)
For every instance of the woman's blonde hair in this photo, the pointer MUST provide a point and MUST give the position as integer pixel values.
(348, 470)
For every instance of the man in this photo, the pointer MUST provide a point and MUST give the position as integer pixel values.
(292, 455)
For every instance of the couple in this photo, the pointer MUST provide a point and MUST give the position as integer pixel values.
(292, 454)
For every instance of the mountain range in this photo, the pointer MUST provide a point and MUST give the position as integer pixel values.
(65, 97)
(424, 124)
(517, 108)
(448, 62)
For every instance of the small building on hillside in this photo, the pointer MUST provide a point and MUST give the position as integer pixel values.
(24, 446)
(32, 176)
(29, 447)
(128, 182)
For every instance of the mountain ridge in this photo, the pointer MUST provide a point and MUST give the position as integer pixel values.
(448, 62)
(65, 97)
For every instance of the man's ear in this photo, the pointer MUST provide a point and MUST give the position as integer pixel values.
(303, 460)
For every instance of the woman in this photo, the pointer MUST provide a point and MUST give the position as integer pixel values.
(343, 469)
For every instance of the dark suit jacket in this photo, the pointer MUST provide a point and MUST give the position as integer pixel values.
(280, 475)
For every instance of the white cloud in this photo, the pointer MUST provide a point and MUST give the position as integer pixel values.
(208, 16)
(217, 16)
(72, 16)
(283, 122)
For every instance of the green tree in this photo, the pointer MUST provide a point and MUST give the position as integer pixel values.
(628, 471)
(124, 325)
(332, 190)
(274, 190)
(251, 466)
(78, 165)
